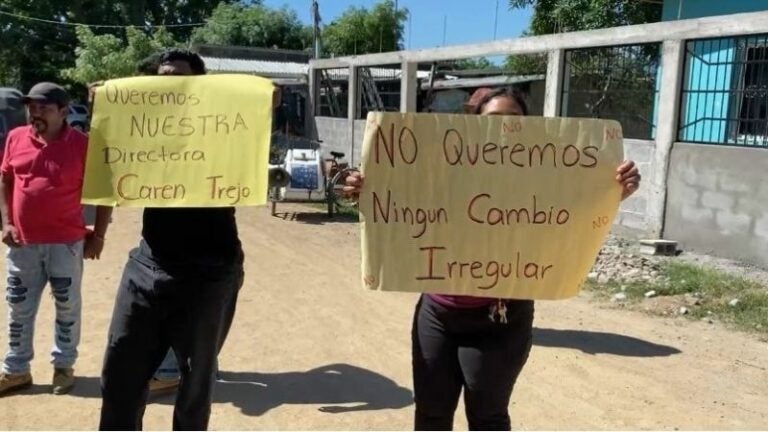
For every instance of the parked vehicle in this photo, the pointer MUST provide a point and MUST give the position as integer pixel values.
(78, 117)
(11, 112)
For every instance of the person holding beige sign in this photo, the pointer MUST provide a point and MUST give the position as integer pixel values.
(478, 344)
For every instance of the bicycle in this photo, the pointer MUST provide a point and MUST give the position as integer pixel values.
(335, 172)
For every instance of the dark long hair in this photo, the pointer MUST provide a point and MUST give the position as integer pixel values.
(509, 92)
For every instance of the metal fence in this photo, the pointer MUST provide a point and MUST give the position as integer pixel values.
(618, 83)
(725, 91)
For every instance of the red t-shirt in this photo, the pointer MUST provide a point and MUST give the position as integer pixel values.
(47, 185)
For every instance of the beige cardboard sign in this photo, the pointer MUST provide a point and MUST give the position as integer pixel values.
(489, 206)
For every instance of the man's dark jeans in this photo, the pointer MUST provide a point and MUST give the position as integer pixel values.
(186, 308)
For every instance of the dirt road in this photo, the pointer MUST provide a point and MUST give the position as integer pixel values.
(310, 349)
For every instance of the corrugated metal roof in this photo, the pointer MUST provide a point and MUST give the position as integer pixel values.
(376, 73)
(492, 81)
(276, 69)
(261, 67)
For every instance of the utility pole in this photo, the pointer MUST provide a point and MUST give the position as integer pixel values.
(496, 20)
(445, 25)
(316, 28)
(410, 32)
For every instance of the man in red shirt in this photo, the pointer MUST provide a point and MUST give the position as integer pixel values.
(40, 191)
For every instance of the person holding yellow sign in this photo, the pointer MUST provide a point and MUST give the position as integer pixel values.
(475, 344)
(178, 291)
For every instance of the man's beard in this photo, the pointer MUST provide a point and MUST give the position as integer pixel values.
(39, 124)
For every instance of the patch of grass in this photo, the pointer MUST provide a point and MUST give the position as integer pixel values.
(344, 212)
(713, 289)
(348, 211)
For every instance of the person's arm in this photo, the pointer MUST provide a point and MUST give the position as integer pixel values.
(10, 232)
(94, 242)
(103, 216)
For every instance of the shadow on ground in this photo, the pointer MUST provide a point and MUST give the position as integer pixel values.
(339, 388)
(316, 218)
(600, 343)
(85, 387)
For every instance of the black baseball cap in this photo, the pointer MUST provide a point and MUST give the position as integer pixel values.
(47, 92)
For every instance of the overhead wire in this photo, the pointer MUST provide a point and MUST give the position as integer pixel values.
(114, 26)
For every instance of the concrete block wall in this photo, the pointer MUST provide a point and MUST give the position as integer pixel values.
(634, 213)
(718, 201)
(334, 132)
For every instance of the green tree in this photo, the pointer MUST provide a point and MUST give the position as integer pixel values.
(559, 16)
(609, 82)
(481, 63)
(254, 25)
(360, 31)
(139, 13)
(526, 64)
(106, 56)
(34, 51)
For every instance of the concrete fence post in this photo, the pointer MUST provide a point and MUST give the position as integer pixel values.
(352, 97)
(409, 84)
(554, 85)
(310, 108)
(672, 54)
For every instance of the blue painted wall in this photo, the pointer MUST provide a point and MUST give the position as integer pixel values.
(708, 77)
(708, 69)
(704, 8)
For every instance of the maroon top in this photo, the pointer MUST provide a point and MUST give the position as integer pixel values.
(462, 302)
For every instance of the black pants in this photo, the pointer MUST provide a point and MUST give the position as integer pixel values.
(455, 349)
(188, 309)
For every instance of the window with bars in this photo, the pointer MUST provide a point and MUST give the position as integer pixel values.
(752, 113)
(725, 92)
(618, 83)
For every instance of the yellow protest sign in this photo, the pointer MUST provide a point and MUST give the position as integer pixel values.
(488, 206)
(173, 141)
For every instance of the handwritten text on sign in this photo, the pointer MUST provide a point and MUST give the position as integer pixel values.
(491, 206)
(174, 141)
